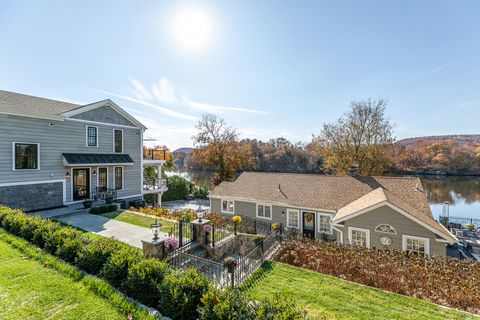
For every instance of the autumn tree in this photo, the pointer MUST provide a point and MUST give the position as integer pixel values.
(217, 146)
(362, 137)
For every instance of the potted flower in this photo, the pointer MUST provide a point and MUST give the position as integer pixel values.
(170, 244)
(207, 228)
(230, 264)
(274, 226)
(236, 220)
(87, 203)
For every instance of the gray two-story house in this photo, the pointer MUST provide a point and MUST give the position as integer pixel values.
(54, 153)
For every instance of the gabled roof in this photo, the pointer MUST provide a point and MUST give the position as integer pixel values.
(26, 105)
(30, 106)
(340, 194)
(379, 197)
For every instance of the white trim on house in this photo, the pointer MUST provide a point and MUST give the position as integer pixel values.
(96, 136)
(113, 140)
(14, 156)
(341, 233)
(298, 218)
(102, 123)
(63, 181)
(100, 104)
(123, 178)
(264, 206)
(228, 200)
(367, 235)
(36, 116)
(394, 231)
(142, 182)
(323, 214)
(406, 214)
(406, 237)
(274, 203)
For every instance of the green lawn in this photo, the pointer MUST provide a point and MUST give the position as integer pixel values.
(327, 297)
(35, 285)
(137, 219)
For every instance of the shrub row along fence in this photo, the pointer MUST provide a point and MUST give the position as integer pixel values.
(446, 281)
(178, 294)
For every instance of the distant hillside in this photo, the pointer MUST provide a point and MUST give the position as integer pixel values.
(460, 139)
(184, 150)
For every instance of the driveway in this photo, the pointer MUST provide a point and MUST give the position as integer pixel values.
(125, 232)
(186, 204)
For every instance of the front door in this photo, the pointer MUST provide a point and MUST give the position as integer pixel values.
(309, 224)
(81, 184)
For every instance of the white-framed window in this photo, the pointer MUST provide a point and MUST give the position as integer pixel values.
(26, 156)
(228, 206)
(264, 211)
(417, 245)
(117, 140)
(385, 228)
(293, 218)
(359, 236)
(102, 178)
(118, 178)
(91, 136)
(324, 223)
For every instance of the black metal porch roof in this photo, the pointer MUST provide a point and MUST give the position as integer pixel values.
(97, 159)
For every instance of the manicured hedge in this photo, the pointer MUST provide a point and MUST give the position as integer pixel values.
(179, 294)
(446, 281)
(103, 209)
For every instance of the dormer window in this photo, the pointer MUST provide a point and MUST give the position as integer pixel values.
(118, 140)
(92, 136)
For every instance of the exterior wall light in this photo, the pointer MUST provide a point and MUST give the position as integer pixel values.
(156, 229)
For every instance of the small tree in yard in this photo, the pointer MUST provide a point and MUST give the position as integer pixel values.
(363, 137)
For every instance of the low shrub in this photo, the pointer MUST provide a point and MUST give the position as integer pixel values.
(71, 247)
(43, 230)
(55, 239)
(232, 304)
(143, 279)
(94, 255)
(181, 293)
(115, 269)
(200, 191)
(443, 280)
(103, 209)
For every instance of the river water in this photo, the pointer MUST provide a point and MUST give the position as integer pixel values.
(462, 193)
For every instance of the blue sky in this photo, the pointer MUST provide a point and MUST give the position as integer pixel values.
(270, 68)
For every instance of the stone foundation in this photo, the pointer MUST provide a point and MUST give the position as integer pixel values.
(33, 196)
(241, 244)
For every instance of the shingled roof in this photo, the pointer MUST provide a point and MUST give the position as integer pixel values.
(23, 104)
(340, 194)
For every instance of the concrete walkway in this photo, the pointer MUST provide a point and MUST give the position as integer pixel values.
(125, 232)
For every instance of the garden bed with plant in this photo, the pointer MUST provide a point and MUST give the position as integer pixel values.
(446, 281)
(179, 294)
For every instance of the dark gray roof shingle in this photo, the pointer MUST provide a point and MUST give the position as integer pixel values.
(97, 158)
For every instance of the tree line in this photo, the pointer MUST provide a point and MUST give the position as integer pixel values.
(361, 139)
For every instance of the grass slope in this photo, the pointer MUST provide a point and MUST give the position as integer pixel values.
(333, 298)
(35, 285)
(138, 220)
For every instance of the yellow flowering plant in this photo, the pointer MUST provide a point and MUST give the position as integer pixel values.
(236, 219)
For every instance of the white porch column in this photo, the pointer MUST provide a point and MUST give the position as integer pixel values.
(159, 176)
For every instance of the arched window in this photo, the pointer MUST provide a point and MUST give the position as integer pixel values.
(385, 228)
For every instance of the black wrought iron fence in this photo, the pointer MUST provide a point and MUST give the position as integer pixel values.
(460, 220)
(183, 231)
(247, 265)
(220, 232)
(270, 242)
(251, 225)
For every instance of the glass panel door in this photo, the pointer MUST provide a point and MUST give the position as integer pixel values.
(81, 184)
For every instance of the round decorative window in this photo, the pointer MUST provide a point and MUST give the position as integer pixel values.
(385, 240)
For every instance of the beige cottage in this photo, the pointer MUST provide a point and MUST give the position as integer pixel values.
(371, 211)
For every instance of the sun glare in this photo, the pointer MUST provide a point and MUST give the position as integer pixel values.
(191, 28)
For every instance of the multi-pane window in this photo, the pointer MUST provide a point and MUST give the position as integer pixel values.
(293, 218)
(118, 178)
(227, 206)
(416, 245)
(102, 179)
(92, 136)
(118, 141)
(26, 156)
(264, 211)
(385, 228)
(359, 237)
(324, 224)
